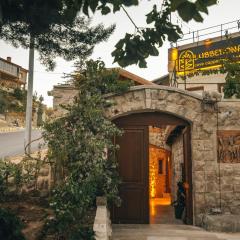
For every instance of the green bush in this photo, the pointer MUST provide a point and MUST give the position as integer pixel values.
(20, 94)
(81, 148)
(3, 102)
(10, 226)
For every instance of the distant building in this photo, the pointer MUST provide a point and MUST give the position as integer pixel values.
(12, 75)
(64, 93)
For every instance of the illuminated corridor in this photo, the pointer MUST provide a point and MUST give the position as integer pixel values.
(161, 211)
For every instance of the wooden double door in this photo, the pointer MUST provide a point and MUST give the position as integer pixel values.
(133, 169)
(133, 164)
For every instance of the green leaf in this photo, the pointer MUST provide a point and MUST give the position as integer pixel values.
(187, 11)
(85, 8)
(105, 10)
(120, 43)
(142, 63)
(197, 17)
(153, 51)
(201, 6)
(93, 5)
(175, 4)
(209, 3)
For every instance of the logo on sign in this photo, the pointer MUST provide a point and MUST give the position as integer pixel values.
(186, 61)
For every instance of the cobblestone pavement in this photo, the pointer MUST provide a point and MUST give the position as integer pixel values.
(167, 232)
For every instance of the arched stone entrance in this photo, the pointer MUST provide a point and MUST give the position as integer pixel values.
(186, 109)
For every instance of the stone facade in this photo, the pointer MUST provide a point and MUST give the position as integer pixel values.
(62, 96)
(157, 180)
(205, 121)
(102, 223)
(176, 162)
(214, 184)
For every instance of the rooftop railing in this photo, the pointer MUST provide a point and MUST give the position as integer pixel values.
(9, 68)
(221, 30)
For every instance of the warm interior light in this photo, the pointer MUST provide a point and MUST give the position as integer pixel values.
(174, 54)
(152, 179)
(207, 42)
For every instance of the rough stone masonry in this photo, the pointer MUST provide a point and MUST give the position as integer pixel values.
(216, 183)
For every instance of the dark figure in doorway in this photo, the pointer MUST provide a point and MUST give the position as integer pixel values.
(180, 203)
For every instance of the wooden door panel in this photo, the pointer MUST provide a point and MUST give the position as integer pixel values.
(131, 156)
(133, 169)
(188, 173)
(131, 210)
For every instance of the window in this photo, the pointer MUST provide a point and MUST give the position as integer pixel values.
(160, 166)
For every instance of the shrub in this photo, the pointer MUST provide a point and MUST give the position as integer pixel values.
(81, 148)
(10, 226)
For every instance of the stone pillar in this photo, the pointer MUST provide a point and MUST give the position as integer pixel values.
(102, 223)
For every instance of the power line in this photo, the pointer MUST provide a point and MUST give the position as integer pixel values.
(130, 17)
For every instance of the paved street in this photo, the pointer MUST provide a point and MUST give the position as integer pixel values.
(167, 232)
(12, 143)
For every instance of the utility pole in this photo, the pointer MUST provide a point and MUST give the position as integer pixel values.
(28, 125)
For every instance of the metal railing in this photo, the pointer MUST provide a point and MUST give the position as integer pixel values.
(210, 32)
(9, 68)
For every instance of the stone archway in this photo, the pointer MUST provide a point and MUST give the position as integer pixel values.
(189, 107)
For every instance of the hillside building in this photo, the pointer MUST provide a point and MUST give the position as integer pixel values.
(12, 75)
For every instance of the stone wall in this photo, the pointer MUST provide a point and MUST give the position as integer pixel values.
(176, 164)
(229, 119)
(157, 180)
(206, 117)
(157, 137)
(62, 95)
(202, 116)
(12, 117)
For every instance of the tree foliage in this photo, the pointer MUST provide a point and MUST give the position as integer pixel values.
(55, 26)
(50, 20)
(232, 85)
(135, 48)
(81, 147)
(10, 226)
(40, 112)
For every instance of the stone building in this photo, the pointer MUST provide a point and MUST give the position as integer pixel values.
(64, 93)
(173, 135)
(11, 75)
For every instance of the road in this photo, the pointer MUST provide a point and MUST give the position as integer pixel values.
(12, 143)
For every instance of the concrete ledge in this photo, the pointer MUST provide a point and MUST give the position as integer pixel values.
(160, 87)
(221, 223)
(10, 129)
(102, 223)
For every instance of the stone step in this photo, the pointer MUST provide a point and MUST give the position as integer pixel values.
(165, 238)
(166, 232)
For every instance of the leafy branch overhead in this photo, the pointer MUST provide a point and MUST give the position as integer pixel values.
(59, 31)
(55, 25)
(135, 48)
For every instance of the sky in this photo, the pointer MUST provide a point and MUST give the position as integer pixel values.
(225, 11)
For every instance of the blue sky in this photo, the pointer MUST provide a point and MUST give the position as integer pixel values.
(225, 11)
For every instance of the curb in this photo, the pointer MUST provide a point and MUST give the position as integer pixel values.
(10, 129)
(15, 129)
